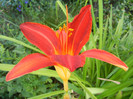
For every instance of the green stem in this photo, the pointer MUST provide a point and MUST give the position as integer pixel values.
(86, 2)
(93, 17)
(100, 2)
(65, 83)
(100, 21)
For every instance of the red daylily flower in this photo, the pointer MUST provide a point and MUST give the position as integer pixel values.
(61, 47)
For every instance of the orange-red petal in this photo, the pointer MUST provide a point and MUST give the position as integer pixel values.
(41, 36)
(82, 25)
(28, 64)
(106, 57)
(68, 61)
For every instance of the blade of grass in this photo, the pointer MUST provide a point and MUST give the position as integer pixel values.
(85, 66)
(85, 69)
(115, 89)
(128, 74)
(110, 21)
(110, 36)
(105, 32)
(77, 3)
(11, 22)
(131, 97)
(84, 82)
(118, 95)
(109, 75)
(104, 42)
(126, 94)
(86, 2)
(64, 10)
(20, 42)
(56, 5)
(128, 89)
(83, 87)
(48, 94)
(95, 91)
(61, 6)
(100, 2)
(118, 33)
(93, 17)
(50, 23)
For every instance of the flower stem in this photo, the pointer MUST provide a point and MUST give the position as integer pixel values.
(66, 96)
(65, 83)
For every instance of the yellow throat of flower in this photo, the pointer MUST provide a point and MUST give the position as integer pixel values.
(64, 75)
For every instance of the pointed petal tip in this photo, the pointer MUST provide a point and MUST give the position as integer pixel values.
(106, 57)
(28, 64)
(23, 24)
(125, 68)
(8, 78)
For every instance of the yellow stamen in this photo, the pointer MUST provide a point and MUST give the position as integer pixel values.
(60, 29)
(57, 34)
(64, 26)
(70, 29)
(69, 34)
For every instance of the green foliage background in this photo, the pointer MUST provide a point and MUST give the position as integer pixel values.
(117, 38)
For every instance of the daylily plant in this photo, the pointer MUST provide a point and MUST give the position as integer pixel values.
(61, 47)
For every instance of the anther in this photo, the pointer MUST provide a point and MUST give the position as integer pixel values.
(70, 29)
(57, 34)
(69, 34)
(60, 29)
(64, 26)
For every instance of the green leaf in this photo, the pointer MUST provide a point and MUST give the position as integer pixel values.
(85, 88)
(93, 17)
(63, 9)
(20, 42)
(119, 95)
(95, 91)
(61, 6)
(100, 2)
(115, 89)
(48, 94)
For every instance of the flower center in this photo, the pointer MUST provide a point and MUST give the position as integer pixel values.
(63, 35)
(64, 74)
